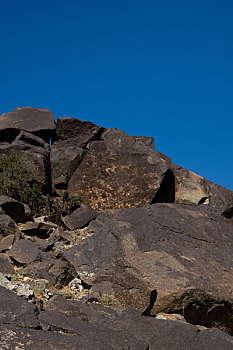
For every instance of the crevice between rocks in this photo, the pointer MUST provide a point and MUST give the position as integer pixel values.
(166, 191)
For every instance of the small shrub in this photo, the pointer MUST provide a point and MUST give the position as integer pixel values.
(106, 300)
(34, 197)
(61, 206)
(15, 175)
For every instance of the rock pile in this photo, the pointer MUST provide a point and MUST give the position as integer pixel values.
(110, 245)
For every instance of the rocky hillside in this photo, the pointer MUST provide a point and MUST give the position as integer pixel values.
(107, 244)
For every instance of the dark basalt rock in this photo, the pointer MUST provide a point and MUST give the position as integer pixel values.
(16, 311)
(169, 247)
(57, 272)
(6, 243)
(18, 212)
(24, 252)
(119, 171)
(67, 128)
(9, 226)
(80, 217)
(5, 265)
(37, 121)
(65, 157)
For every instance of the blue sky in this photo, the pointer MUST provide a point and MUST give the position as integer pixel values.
(155, 68)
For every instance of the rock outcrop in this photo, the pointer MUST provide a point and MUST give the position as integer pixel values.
(144, 263)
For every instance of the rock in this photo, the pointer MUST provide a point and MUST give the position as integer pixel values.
(67, 128)
(80, 217)
(155, 333)
(4, 282)
(119, 171)
(18, 212)
(103, 217)
(25, 291)
(178, 253)
(6, 243)
(31, 139)
(40, 122)
(16, 310)
(9, 227)
(5, 265)
(194, 189)
(149, 141)
(24, 252)
(38, 229)
(65, 157)
(61, 235)
(57, 272)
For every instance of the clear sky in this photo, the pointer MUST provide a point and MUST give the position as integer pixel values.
(156, 68)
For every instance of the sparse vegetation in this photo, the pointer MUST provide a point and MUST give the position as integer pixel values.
(17, 181)
(61, 206)
(107, 300)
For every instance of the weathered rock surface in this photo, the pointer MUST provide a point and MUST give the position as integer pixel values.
(80, 217)
(16, 311)
(67, 128)
(18, 212)
(6, 243)
(8, 226)
(37, 121)
(5, 265)
(171, 250)
(191, 188)
(24, 252)
(65, 157)
(120, 171)
(57, 272)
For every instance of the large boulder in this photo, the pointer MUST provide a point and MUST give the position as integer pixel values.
(119, 171)
(40, 122)
(67, 128)
(191, 188)
(180, 253)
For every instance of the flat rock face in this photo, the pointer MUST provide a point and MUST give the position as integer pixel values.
(38, 121)
(168, 249)
(24, 252)
(120, 171)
